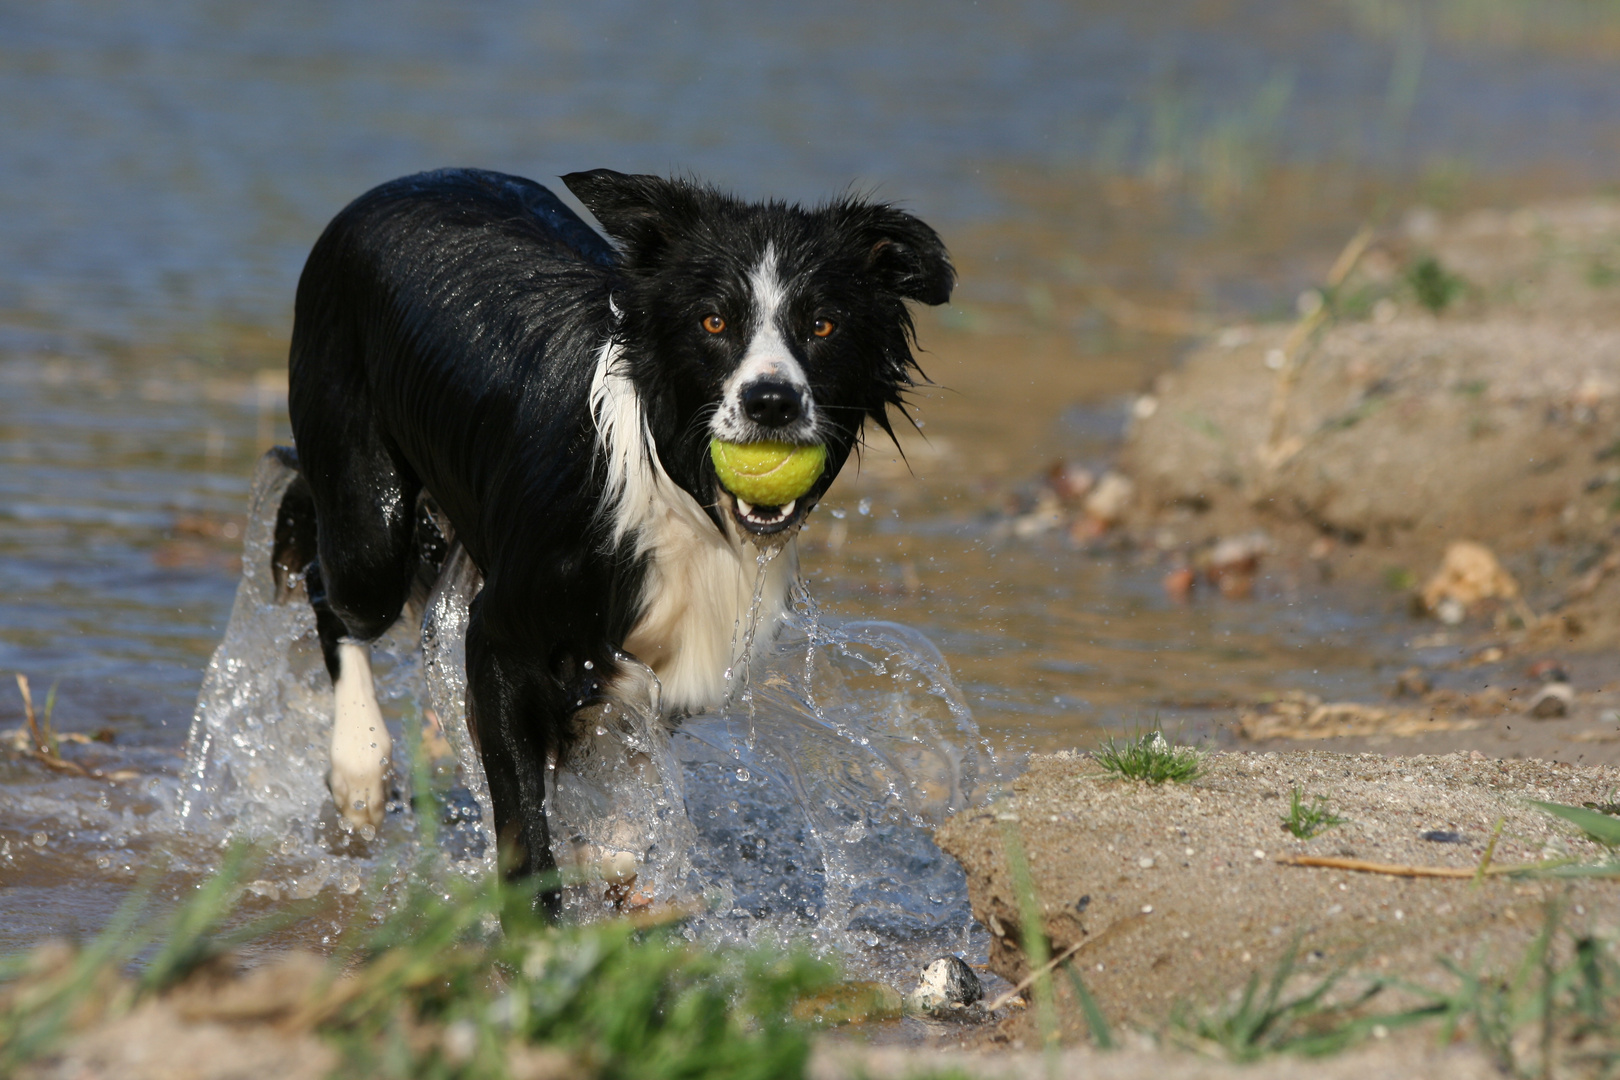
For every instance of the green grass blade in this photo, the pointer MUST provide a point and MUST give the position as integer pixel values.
(1095, 1020)
(1598, 826)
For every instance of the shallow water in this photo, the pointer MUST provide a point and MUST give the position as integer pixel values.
(169, 164)
(800, 808)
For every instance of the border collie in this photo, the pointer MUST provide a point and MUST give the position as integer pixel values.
(467, 350)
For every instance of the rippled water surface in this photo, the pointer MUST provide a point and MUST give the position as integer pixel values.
(167, 166)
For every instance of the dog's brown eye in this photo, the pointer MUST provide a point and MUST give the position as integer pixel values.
(714, 324)
(823, 327)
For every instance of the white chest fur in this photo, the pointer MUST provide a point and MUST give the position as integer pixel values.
(700, 582)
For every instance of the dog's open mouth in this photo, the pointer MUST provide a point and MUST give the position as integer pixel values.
(767, 520)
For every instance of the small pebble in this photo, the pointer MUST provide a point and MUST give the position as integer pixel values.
(946, 984)
(1412, 683)
(1552, 701)
(1444, 836)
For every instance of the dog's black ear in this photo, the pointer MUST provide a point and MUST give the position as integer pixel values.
(640, 212)
(909, 257)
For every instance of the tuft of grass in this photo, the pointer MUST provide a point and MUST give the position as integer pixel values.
(1558, 1009)
(1555, 1012)
(1150, 759)
(1434, 286)
(434, 992)
(1268, 1020)
(619, 998)
(1399, 579)
(1306, 820)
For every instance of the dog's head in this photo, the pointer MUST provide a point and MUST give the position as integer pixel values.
(752, 323)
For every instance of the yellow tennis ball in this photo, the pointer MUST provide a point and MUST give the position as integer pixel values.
(767, 473)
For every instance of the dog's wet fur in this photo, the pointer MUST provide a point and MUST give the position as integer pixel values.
(473, 364)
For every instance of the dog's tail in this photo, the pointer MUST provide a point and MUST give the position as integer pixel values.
(294, 546)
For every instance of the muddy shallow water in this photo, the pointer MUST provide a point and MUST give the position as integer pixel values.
(180, 161)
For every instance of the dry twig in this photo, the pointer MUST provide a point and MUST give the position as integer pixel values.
(46, 751)
(1029, 980)
(1272, 453)
(1398, 869)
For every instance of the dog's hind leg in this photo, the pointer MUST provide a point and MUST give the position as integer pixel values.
(361, 747)
(368, 554)
(360, 744)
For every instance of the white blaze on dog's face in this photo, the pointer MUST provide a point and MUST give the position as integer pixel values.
(768, 396)
(741, 323)
(760, 322)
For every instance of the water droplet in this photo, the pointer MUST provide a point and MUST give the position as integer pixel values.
(102, 862)
(40, 839)
(744, 775)
(590, 665)
(732, 806)
(864, 508)
(855, 832)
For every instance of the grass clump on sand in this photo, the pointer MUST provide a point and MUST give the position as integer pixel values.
(434, 992)
(1433, 285)
(1306, 820)
(1150, 759)
(1270, 1020)
(1555, 1012)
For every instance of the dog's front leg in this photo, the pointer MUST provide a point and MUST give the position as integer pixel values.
(516, 709)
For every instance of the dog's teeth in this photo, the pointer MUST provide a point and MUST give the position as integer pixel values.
(746, 509)
(787, 508)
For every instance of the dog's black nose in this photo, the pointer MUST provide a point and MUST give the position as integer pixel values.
(772, 404)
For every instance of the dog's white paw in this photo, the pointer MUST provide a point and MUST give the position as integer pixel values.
(360, 791)
(360, 743)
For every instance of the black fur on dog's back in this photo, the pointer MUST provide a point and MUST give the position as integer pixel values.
(452, 320)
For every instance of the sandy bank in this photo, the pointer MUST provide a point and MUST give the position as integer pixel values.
(1397, 427)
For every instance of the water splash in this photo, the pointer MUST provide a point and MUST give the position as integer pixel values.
(802, 808)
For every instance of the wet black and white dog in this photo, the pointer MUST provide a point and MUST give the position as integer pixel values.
(462, 337)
